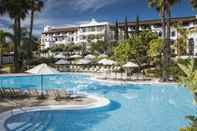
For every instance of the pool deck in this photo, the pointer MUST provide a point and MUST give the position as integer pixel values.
(90, 100)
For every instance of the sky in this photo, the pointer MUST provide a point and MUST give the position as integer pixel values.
(71, 12)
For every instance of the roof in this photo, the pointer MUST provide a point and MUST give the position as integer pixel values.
(92, 23)
(158, 21)
(121, 24)
(58, 30)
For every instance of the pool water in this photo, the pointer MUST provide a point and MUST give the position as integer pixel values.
(133, 107)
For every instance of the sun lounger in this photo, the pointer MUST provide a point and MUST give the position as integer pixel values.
(77, 96)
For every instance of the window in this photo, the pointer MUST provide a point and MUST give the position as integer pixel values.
(93, 29)
(160, 34)
(173, 33)
(83, 37)
(157, 26)
(100, 28)
(83, 30)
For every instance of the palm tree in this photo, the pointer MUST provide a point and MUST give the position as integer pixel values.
(25, 54)
(126, 29)
(137, 25)
(36, 5)
(189, 79)
(17, 10)
(117, 32)
(164, 9)
(181, 42)
(194, 4)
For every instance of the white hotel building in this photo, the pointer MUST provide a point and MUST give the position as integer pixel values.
(100, 31)
(90, 32)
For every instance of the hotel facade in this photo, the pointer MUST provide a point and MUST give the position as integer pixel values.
(94, 31)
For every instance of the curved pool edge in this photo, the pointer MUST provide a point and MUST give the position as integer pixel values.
(100, 102)
(115, 82)
(28, 74)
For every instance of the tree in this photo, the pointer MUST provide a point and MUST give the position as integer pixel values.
(194, 4)
(189, 79)
(164, 9)
(117, 32)
(181, 42)
(58, 48)
(137, 26)
(122, 52)
(100, 47)
(17, 10)
(154, 51)
(35, 5)
(25, 56)
(135, 48)
(126, 29)
(193, 124)
(3, 45)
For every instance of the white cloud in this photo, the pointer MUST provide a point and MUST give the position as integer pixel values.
(6, 29)
(84, 5)
(79, 5)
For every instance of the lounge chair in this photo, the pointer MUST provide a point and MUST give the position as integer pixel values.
(77, 96)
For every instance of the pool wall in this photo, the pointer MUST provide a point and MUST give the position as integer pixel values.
(100, 102)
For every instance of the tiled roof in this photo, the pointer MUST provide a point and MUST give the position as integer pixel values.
(132, 23)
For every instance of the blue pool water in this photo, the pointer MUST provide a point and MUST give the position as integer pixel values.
(133, 107)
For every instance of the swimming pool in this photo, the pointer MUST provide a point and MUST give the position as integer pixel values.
(134, 107)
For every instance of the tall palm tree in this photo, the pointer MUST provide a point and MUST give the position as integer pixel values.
(36, 5)
(17, 10)
(117, 32)
(137, 25)
(164, 9)
(126, 29)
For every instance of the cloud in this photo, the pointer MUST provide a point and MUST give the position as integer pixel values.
(85, 5)
(6, 24)
(78, 5)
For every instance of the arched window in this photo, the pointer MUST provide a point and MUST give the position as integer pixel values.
(191, 46)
